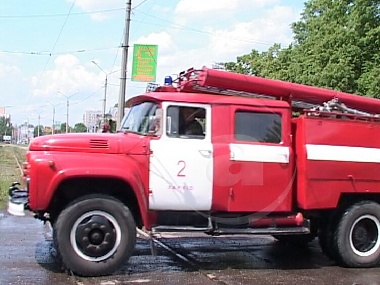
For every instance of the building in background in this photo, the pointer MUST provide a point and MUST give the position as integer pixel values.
(25, 133)
(4, 115)
(112, 113)
(92, 120)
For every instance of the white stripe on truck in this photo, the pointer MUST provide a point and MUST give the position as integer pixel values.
(259, 153)
(342, 153)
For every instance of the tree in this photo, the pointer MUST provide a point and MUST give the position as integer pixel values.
(336, 45)
(112, 124)
(38, 131)
(80, 128)
(5, 127)
(62, 128)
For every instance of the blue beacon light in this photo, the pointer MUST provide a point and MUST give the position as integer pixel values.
(168, 80)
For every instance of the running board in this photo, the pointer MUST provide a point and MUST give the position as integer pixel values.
(280, 225)
(163, 229)
(235, 231)
(262, 231)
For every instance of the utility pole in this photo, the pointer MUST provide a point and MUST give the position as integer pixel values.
(38, 126)
(39, 112)
(52, 126)
(53, 105)
(123, 77)
(67, 108)
(105, 88)
(105, 99)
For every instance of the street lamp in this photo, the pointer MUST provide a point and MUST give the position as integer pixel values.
(53, 105)
(67, 108)
(39, 121)
(105, 88)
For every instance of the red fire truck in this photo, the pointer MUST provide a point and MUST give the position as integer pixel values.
(215, 152)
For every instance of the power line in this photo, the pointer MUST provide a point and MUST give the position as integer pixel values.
(24, 52)
(187, 28)
(52, 50)
(174, 26)
(63, 26)
(60, 15)
(89, 96)
(48, 53)
(139, 4)
(65, 14)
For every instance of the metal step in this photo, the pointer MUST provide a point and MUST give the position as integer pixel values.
(235, 231)
(262, 231)
(162, 229)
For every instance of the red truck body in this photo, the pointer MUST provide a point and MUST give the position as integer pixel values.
(335, 158)
(274, 157)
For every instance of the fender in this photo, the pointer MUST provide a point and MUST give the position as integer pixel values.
(56, 168)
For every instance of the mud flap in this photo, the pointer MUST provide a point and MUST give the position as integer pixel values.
(17, 200)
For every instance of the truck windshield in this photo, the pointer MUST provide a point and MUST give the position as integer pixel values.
(142, 118)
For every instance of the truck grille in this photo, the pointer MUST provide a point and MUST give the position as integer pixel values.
(98, 143)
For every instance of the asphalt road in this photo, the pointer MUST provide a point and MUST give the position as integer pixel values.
(27, 257)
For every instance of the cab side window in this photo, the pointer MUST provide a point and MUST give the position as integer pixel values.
(258, 127)
(186, 122)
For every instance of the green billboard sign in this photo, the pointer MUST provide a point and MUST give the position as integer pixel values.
(144, 63)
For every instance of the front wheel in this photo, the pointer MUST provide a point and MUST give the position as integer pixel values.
(357, 235)
(95, 235)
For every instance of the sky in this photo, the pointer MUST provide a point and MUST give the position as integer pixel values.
(48, 48)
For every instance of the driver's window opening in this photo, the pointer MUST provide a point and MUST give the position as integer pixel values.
(186, 122)
(143, 118)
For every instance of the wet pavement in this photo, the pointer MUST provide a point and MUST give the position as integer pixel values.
(25, 248)
(27, 257)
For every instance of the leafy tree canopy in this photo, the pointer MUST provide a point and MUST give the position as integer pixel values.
(80, 128)
(336, 45)
(5, 127)
(38, 131)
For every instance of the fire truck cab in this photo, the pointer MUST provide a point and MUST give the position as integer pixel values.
(219, 153)
(243, 142)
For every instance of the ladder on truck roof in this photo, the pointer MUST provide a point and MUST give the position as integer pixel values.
(300, 96)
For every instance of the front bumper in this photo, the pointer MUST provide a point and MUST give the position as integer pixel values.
(18, 200)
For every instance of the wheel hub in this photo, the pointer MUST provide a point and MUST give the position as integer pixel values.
(95, 236)
(364, 235)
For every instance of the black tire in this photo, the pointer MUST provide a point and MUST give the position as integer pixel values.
(326, 230)
(295, 239)
(95, 235)
(357, 235)
(325, 239)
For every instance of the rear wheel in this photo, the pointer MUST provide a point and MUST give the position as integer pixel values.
(326, 230)
(357, 235)
(95, 235)
(325, 238)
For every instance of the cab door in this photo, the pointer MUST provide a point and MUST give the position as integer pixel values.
(181, 164)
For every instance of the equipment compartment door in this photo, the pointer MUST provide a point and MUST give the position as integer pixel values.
(181, 161)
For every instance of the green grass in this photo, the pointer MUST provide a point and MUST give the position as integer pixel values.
(9, 170)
